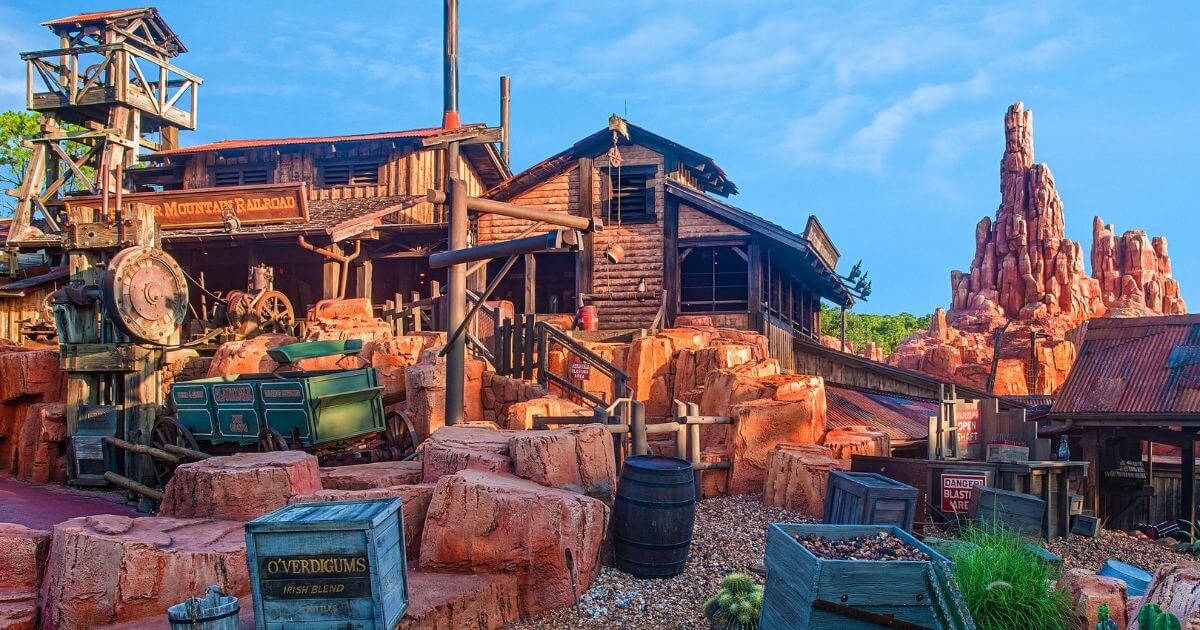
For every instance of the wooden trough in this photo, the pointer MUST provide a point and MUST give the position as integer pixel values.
(804, 591)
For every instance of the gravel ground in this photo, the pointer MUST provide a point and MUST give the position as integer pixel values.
(729, 537)
(1136, 549)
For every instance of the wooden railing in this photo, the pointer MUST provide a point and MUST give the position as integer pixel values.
(548, 334)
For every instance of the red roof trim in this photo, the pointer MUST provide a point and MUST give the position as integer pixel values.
(225, 145)
(96, 16)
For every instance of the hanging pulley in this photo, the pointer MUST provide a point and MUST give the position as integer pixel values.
(145, 293)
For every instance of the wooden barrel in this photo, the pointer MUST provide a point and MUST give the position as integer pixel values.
(653, 516)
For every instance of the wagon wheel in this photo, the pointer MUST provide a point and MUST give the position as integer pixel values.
(167, 430)
(274, 313)
(237, 307)
(271, 440)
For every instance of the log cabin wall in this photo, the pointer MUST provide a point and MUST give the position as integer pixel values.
(17, 309)
(696, 224)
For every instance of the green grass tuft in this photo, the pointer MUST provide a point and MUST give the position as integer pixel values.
(1006, 585)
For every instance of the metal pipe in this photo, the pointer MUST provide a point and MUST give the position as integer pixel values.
(487, 293)
(637, 426)
(491, 206)
(450, 118)
(461, 255)
(505, 97)
(456, 354)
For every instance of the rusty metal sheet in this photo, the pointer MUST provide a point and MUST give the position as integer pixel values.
(903, 419)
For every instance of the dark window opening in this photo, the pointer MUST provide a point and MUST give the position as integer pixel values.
(553, 277)
(241, 175)
(713, 279)
(512, 287)
(632, 194)
(345, 173)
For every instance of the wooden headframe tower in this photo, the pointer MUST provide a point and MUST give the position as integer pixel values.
(106, 92)
(109, 88)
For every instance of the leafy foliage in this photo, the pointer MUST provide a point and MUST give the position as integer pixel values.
(1104, 619)
(1007, 585)
(1189, 535)
(14, 157)
(887, 331)
(737, 605)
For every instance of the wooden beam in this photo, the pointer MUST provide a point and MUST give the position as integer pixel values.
(1187, 483)
(364, 279)
(585, 263)
(671, 257)
(754, 287)
(530, 284)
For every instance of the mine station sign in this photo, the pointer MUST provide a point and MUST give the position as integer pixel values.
(211, 207)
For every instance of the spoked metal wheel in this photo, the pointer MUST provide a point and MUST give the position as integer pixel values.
(168, 431)
(271, 440)
(274, 313)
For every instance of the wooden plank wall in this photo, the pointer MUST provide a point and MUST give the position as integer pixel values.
(404, 169)
(696, 224)
(643, 243)
(13, 310)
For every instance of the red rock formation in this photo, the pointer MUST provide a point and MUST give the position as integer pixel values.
(239, 487)
(1028, 278)
(482, 522)
(1088, 592)
(451, 449)
(470, 602)
(374, 475)
(108, 569)
(42, 447)
(414, 505)
(796, 478)
(578, 458)
(1174, 588)
(248, 356)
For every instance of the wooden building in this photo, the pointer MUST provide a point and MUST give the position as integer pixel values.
(685, 250)
(1135, 383)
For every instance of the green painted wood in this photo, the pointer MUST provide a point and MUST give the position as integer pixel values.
(286, 355)
(905, 589)
(338, 564)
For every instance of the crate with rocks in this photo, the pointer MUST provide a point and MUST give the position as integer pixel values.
(856, 576)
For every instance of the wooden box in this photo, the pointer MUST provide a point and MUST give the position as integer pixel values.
(321, 565)
(1007, 453)
(1076, 504)
(804, 591)
(858, 498)
(1085, 525)
(1023, 513)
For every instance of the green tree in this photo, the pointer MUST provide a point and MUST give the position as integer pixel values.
(14, 157)
(887, 331)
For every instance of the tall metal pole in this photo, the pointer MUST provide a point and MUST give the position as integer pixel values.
(456, 352)
(505, 98)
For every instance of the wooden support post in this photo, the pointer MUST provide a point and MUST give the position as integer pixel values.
(585, 264)
(671, 258)
(1187, 482)
(1089, 444)
(754, 291)
(364, 279)
(530, 284)
(637, 428)
(330, 275)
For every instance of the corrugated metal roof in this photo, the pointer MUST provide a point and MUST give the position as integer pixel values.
(272, 142)
(96, 16)
(1135, 366)
(903, 419)
(322, 215)
(17, 288)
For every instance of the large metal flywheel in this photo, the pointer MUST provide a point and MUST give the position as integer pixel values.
(146, 293)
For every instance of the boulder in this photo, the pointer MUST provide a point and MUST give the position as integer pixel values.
(577, 458)
(843, 442)
(375, 475)
(482, 522)
(248, 356)
(761, 425)
(797, 475)
(649, 371)
(18, 608)
(461, 602)
(107, 569)
(41, 454)
(22, 555)
(520, 415)
(1176, 589)
(31, 375)
(700, 321)
(391, 358)
(1089, 591)
(425, 393)
(414, 503)
(456, 448)
(239, 487)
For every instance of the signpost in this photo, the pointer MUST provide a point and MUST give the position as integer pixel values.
(956, 490)
(213, 207)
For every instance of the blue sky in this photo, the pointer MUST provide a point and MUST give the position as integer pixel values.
(884, 119)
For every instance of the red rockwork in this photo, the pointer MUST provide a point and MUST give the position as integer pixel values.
(239, 487)
(248, 356)
(577, 458)
(1089, 591)
(450, 601)
(374, 475)
(349, 318)
(481, 522)
(22, 555)
(455, 448)
(796, 478)
(845, 442)
(760, 425)
(108, 569)
(42, 457)
(520, 415)
(425, 384)
(27, 377)
(414, 503)
(1176, 589)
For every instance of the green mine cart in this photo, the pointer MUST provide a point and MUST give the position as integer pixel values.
(289, 408)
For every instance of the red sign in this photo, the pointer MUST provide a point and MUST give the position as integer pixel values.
(581, 371)
(210, 207)
(956, 489)
(966, 416)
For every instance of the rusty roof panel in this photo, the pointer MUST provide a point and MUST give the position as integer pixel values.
(97, 16)
(254, 143)
(1135, 366)
(903, 419)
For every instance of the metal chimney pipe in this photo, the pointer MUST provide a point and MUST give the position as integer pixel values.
(450, 119)
(505, 98)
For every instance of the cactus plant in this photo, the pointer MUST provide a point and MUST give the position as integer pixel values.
(1104, 618)
(1151, 617)
(736, 605)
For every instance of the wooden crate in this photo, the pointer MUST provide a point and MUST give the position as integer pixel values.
(800, 586)
(1007, 453)
(1023, 513)
(1085, 525)
(337, 564)
(1050, 482)
(860, 498)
